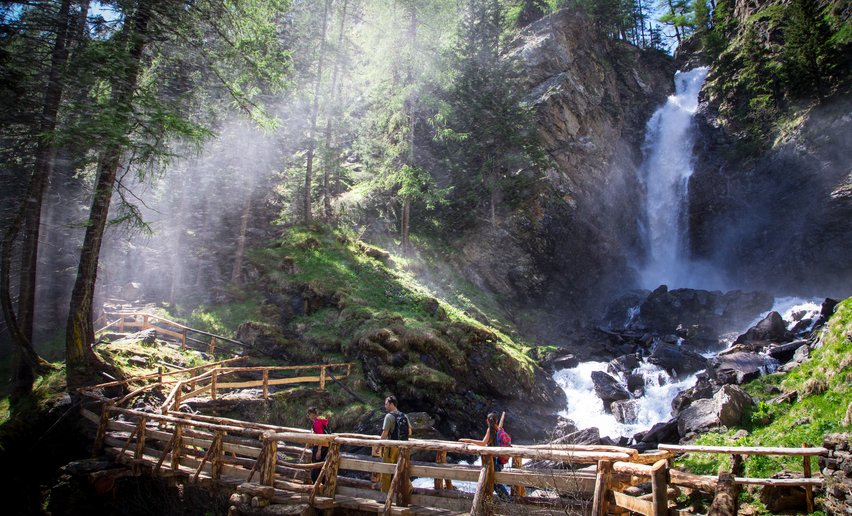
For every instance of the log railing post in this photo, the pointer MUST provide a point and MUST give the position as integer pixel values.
(518, 463)
(267, 473)
(395, 483)
(322, 378)
(140, 446)
(102, 429)
(160, 374)
(213, 385)
(483, 500)
(404, 486)
(602, 482)
(333, 461)
(177, 447)
(660, 487)
(212, 344)
(445, 483)
(121, 323)
(145, 323)
(183, 340)
(266, 385)
(806, 473)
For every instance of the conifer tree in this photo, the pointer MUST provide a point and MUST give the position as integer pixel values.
(806, 48)
(487, 119)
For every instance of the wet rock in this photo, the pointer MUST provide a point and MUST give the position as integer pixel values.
(772, 328)
(785, 352)
(664, 432)
(608, 388)
(738, 367)
(625, 411)
(585, 436)
(726, 408)
(703, 389)
(701, 314)
(674, 358)
(564, 426)
(636, 384)
(623, 364)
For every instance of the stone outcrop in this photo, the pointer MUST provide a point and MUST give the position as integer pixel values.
(701, 314)
(568, 246)
(772, 211)
(726, 408)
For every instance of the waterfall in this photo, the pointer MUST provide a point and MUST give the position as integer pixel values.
(665, 172)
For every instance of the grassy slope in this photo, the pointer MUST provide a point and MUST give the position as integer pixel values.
(824, 384)
(371, 295)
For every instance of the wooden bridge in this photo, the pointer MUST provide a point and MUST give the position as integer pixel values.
(265, 464)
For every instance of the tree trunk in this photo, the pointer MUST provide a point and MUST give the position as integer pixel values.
(410, 112)
(29, 364)
(237, 273)
(332, 114)
(309, 167)
(81, 361)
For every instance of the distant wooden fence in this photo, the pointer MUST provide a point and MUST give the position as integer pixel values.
(141, 321)
(207, 379)
(211, 382)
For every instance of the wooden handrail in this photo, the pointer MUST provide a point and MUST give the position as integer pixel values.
(743, 450)
(175, 324)
(255, 445)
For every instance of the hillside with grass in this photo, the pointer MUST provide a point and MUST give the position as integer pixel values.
(322, 296)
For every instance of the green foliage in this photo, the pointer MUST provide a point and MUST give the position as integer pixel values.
(790, 425)
(807, 48)
(225, 319)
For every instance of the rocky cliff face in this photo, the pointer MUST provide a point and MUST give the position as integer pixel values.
(575, 237)
(776, 215)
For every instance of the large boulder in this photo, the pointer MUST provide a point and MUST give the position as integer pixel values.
(624, 364)
(726, 408)
(784, 352)
(703, 389)
(701, 314)
(608, 388)
(771, 328)
(740, 367)
(731, 404)
(675, 358)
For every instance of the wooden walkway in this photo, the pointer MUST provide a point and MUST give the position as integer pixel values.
(265, 464)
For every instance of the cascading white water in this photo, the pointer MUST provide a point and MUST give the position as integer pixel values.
(665, 173)
(587, 410)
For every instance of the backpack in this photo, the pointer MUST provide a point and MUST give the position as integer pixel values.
(503, 439)
(400, 430)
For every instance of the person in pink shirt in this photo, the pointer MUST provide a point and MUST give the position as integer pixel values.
(318, 452)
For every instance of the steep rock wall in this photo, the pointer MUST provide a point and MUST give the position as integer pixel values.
(573, 240)
(772, 216)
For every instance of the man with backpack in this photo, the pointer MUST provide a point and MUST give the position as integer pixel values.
(397, 427)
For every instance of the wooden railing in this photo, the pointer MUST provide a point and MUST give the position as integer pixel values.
(738, 453)
(207, 379)
(211, 382)
(266, 464)
(142, 321)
